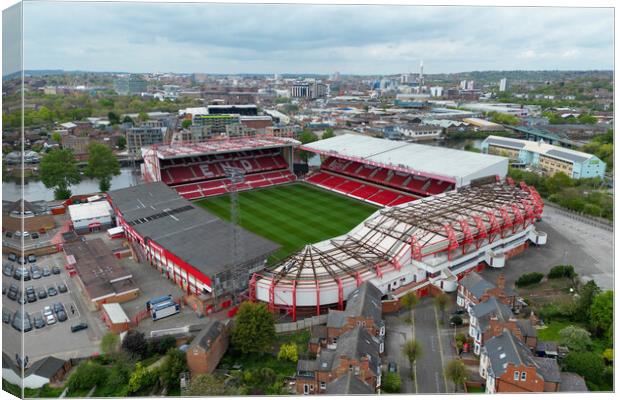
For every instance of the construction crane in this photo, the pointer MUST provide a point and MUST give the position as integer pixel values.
(236, 177)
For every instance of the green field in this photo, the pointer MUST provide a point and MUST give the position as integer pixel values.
(292, 215)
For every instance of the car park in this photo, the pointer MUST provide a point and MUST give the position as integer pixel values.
(51, 291)
(62, 316)
(79, 327)
(32, 258)
(39, 322)
(42, 293)
(62, 288)
(6, 316)
(8, 270)
(55, 270)
(12, 257)
(50, 320)
(46, 271)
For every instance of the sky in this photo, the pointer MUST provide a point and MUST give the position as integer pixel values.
(230, 38)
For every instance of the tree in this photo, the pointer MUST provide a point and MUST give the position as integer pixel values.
(577, 339)
(306, 136)
(562, 271)
(529, 279)
(588, 364)
(102, 165)
(58, 170)
(127, 120)
(210, 385)
(114, 118)
(172, 366)
(254, 329)
(587, 293)
(141, 378)
(161, 344)
(143, 117)
(109, 343)
(441, 301)
(602, 314)
(456, 372)
(288, 352)
(328, 133)
(135, 344)
(57, 137)
(558, 181)
(456, 320)
(391, 382)
(121, 142)
(412, 350)
(87, 375)
(409, 301)
(186, 123)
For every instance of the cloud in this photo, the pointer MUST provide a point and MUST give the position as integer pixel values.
(229, 38)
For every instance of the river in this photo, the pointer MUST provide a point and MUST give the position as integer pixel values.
(35, 190)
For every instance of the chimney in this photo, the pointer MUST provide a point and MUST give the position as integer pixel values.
(533, 318)
(501, 281)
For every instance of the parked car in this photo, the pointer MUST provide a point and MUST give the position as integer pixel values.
(19, 273)
(31, 297)
(46, 271)
(12, 257)
(50, 319)
(39, 322)
(36, 273)
(42, 293)
(13, 292)
(392, 367)
(47, 310)
(79, 327)
(21, 299)
(62, 288)
(51, 291)
(32, 258)
(55, 270)
(21, 320)
(62, 316)
(34, 235)
(8, 270)
(58, 307)
(6, 316)
(21, 260)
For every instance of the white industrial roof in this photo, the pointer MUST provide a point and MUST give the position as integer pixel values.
(115, 312)
(89, 210)
(443, 163)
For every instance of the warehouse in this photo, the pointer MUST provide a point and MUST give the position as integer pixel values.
(91, 217)
(434, 240)
(184, 242)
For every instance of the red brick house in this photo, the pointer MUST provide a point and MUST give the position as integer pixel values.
(355, 352)
(474, 289)
(208, 347)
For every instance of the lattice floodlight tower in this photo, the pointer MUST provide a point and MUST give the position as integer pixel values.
(236, 177)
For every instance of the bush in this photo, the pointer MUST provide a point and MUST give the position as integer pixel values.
(456, 320)
(87, 375)
(590, 365)
(529, 279)
(561, 271)
(135, 344)
(161, 345)
(575, 338)
(391, 382)
(288, 352)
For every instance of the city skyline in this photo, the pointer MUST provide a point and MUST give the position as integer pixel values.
(298, 39)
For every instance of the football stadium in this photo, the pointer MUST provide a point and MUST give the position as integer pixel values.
(404, 216)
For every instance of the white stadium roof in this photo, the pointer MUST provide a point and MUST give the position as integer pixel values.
(443, 163)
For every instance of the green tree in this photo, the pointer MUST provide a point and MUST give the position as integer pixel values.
(141, 378)
(391, 383)
(254, 329)
(87, 375)
(558, 181)
(143, 117)
(575, 338)
(409, 301)
(172, 366)
(441, 302)
(588, 364)
(121, 142)
(114, 118)
(587, 293)
(328, 133)
(602, 314)
(102, 165)
(186, 123)
(456, 372)
(57, 137)
(288, 352)
(135, 344)
(109, 343)
(412, 350)
(127, 120)
(58, 171)
(306, 136)
(210, 385)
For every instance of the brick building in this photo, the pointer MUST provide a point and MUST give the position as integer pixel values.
(355, 352)
(474, 289)
(208, 347)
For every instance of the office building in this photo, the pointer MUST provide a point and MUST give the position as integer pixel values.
(130, 85)
(503, 85)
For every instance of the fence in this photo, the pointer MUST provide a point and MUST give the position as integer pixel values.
(588, 219)
(300, 325)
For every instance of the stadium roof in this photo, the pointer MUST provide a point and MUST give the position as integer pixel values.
(216, 146)
(157, 212)
(541, 147)
(441, 163)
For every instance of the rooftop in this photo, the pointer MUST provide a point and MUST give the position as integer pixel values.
(221, 146)
(541, 147)
(456, 165)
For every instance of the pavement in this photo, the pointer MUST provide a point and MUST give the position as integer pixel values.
(589, 248)
(396, 334)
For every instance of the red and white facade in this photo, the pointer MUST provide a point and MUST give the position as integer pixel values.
(433, 240)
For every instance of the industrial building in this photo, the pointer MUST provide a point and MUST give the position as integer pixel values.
(184, 242)
(548, 158)
(408, 247)
(91, 217)
(483, 125)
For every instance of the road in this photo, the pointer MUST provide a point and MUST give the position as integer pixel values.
(429, 370)
(396, 334)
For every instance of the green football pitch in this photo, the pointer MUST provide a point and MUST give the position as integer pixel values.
(292, 215)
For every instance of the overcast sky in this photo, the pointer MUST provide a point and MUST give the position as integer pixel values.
(312, 39)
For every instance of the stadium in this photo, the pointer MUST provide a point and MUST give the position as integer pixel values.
(435, 213)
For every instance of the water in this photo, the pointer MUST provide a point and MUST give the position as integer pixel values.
(35, 190)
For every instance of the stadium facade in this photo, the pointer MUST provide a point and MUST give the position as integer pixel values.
(429, 241)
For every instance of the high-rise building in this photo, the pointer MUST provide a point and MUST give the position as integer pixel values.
(463, 85)
(132, 84)
(421, 73)
(436, 91)
(470, 85)
(308, 90)
(503, 85)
